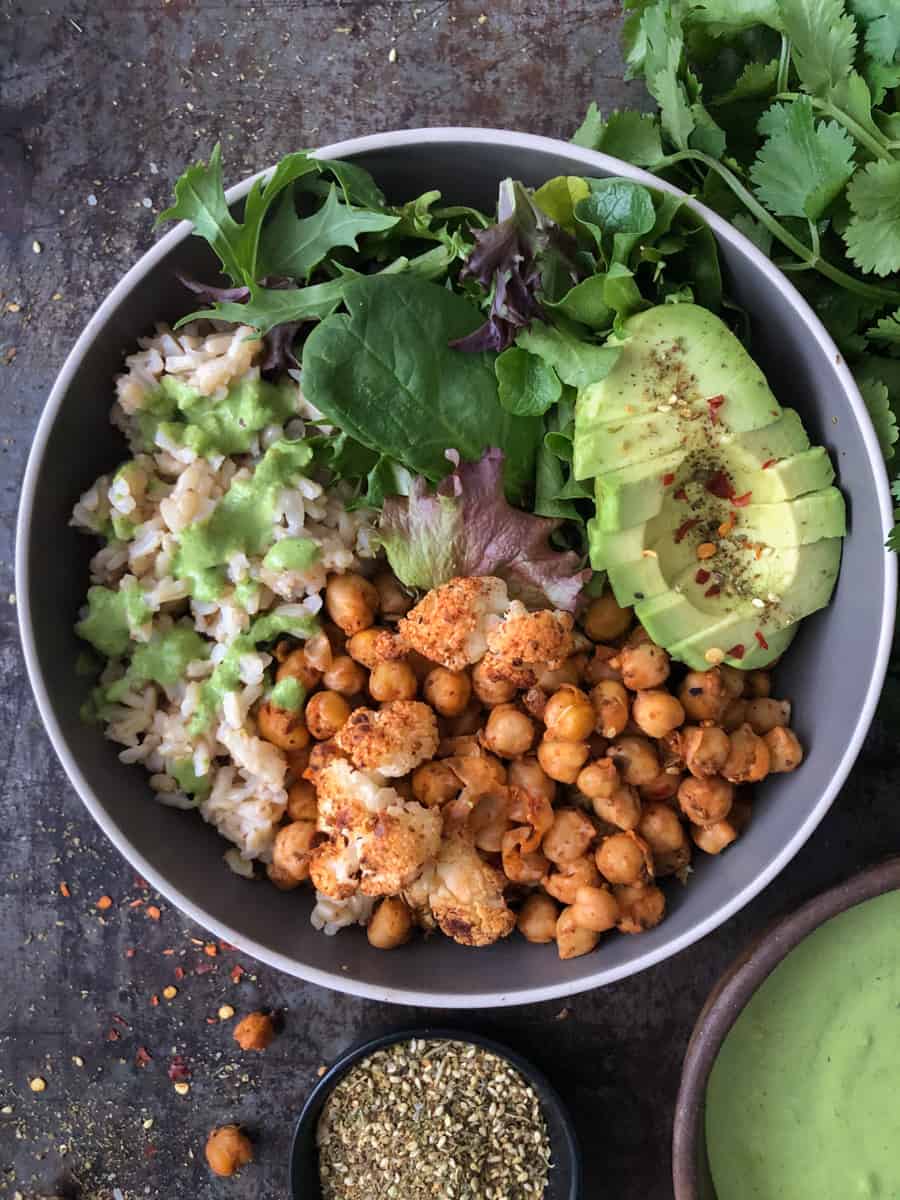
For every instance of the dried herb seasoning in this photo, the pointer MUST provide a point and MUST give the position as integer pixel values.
(426, 1119)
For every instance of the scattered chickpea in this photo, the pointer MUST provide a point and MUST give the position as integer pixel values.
(641, 907)
(391, 924)
(227, 1150)
(448, 692)
(564, 880)
(636, 760)
(393, 681)
(282, 727)
(490, 689)
(326, 713)
(435, 784)
(664, 787)
(351, 602)
(551, 678)
(537, 919)
(705, 749)
(599, 667)
(604, 620)
(508, 732)
(528, 775)
(733, 681)
(703, 695)
(765, 715)
(705, 801)
(301, 801)
(625, 858)
(734, 716)
(758, 685)
(290, 854)
(534, 701)
(569, 715)
(255, 1031)
(569, 836)
(622, 808)
(656, 712)
(598, 779)
(611, 707)
(748, 758)
(644, 666)
(393, 599)
(345, 676)
(713, 839)
(785, 751)
(595, 908)
(294, 665)
(664, 833)
(562, 761)
(573, 940)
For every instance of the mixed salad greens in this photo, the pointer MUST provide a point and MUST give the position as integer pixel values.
(443, 348)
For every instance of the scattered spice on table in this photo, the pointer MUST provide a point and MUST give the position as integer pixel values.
(424, 1119)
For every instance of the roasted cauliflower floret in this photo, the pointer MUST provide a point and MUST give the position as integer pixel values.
(392, 740)
(466, 896)
(376, 841)
(451, 624)
(526, 640)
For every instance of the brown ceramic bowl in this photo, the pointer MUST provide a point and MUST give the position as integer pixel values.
(690, 1164)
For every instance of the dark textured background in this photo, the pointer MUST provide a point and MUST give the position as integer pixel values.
(103, 103)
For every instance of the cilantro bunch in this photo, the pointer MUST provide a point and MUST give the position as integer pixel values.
(783, 116)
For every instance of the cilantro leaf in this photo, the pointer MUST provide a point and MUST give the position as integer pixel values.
(881, 23)
(756, 232)
(631, 136)
(200, 199)
(294, 246)
(728, 17)
(887, 330)
(875, 394)
(664, 47)
(873, 234)
(802, 165)
(755, 80)
(823, 41)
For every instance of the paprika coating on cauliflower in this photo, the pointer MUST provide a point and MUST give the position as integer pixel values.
(525, 639)
(450, 625)
(466, 897)
(392, 740)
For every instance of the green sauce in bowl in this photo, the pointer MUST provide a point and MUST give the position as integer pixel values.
(802, 1101)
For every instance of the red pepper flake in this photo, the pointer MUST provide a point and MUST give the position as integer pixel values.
(179, 1071)
(142, 1057)
(210, 950)
(138, 882)
(153, 912)
(136, 903)
(668, 478)
(196, 941)
(120, 1020)
(179, 972)
(168, 952)
(104, 903)
(226, 945)
(714, 403)
(112, 1035)
(712, 591)
(64, 890)
(154, 1001)
(701, 576)
(130, 952)
(236, 972)
(741, 501)
(211, 1021)
(204, 968)
(683, 530)
(770, 462)
(720, 485)
(736, 651)
(149, 1150)
(762, 641)
(680, 494)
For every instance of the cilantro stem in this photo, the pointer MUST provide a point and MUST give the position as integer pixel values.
(784, 64)
(877, 148)
(870, 291)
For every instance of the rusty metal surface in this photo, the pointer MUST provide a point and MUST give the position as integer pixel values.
(102, 104)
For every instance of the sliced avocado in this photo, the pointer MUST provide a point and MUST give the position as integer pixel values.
(754, 448)
(634, 493)
(792, 522)
(809, 471)
(675, 359)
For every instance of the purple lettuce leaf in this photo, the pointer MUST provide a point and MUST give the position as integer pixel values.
(279, 341)
(510, 257)
(466, 527)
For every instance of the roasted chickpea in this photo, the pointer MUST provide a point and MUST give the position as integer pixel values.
(374, 645)
(448, 692)
(705, 749)
(713, 839)
(703, 695)
(622, 808)
(705, 801)
(604, 620)
(282, 727)
(548, 679)
(469, 721)
(664, 833)
(733, 681)
(296, 666)
(508, 732)
(573, 940)
(537, 919)
(664, 787)
(656, 713)
(599, 666)
(565, 879)
(391, 924)
(351, 602)
(393, 681)
(644, 666)
(290, 853)
(255, 1031)
(599, 778)
(569, 715)
(227, 1150)
(641, 906)
(624, 858)
(611, 707)
(569, 836)
(435, 784)
(326, 713)
(490, 689)
(393, 598)
(764, 715)
(301, 801)
(734, 715)
(636, 760)
(345, 676)
(528, 774)
(534, 701)
(758, 685)
(595, 908)
(748, 757)
(562, 761)
(785, 751)
(297, 761)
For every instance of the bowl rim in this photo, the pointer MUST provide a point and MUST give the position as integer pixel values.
(733, 992)
(430, 136)
(547, 1094)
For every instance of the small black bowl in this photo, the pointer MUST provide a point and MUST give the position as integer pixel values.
(564, 1181)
